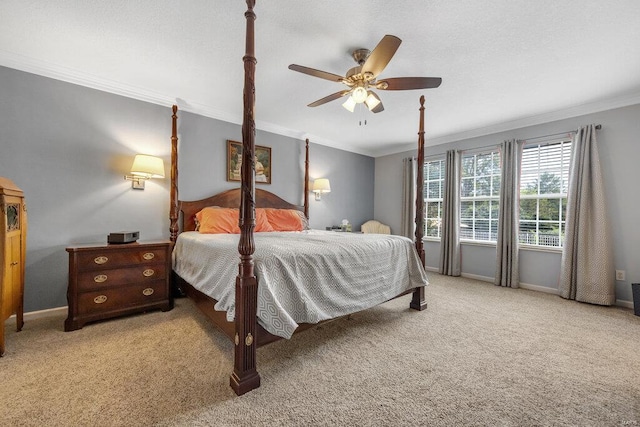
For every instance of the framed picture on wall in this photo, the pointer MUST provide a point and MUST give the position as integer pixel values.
(234, 162)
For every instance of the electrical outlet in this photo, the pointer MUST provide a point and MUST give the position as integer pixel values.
(620, 275)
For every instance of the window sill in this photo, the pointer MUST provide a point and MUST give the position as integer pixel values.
(478, 243)
(534, 248)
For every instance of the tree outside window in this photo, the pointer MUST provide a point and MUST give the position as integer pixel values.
(543, 192)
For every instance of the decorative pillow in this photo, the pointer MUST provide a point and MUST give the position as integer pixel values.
(285, 219)
(197, 221)
(215, 220)
(304, 219)
(262, 222)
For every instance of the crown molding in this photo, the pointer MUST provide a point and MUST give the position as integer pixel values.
(566, 113)
(73, 76)
(70, 75)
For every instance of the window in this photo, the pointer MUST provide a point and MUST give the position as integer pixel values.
(544, 181)
(480, 196)
(433, 197)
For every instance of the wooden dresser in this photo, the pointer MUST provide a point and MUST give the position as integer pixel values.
(112, 280)
(13, 243)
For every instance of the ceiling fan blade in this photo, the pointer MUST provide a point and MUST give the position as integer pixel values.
(329, 98)
(381, 55)
(316, 73)
(408, 83)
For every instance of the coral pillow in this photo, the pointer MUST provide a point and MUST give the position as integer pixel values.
(262, 222)
(284, 219)
(216, 220)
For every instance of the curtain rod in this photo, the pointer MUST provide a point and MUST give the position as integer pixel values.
(462, 151)
(598, 126)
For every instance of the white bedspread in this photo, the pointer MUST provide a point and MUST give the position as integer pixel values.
(303, 277)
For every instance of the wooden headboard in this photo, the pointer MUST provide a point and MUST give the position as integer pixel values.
(226, 199)
(230, 199)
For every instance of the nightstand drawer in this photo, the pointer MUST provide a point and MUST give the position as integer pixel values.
(121, 298)
(127, 256)
(99, 279)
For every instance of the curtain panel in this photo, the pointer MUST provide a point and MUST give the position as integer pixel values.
(409, 176)
(587, 271)
(507, 269)
(450, 238)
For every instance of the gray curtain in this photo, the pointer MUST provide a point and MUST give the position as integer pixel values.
(409, 176)
(507, 273)
(450, 239)
(587, 272)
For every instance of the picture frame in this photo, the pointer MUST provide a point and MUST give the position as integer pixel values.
(234, 162)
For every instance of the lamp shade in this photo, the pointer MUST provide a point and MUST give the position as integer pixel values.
(321, 185)
(147, 166)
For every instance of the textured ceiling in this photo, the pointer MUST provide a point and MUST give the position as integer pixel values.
(504, 64)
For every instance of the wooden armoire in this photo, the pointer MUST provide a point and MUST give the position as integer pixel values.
(13, 243)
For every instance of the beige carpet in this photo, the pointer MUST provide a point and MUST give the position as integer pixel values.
(479, 355)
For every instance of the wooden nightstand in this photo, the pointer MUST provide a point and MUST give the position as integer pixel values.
(112, 280)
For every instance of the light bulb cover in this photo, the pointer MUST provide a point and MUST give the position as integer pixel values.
(349, 104)
(372, 101)
(359, 94)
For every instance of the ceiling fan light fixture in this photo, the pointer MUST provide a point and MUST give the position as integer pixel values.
(359, 94)
(371, 101)
(349, 104)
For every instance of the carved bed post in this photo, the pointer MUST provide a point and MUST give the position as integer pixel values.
(245, 377)
(418, 301)
(306, 179)
(173, 209)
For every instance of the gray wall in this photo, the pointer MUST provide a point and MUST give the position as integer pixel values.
(202, 164)
(619, 149)
(68, 148)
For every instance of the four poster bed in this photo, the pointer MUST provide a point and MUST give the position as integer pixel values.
(289, 278)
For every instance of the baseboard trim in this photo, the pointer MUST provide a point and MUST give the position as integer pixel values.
(624, 303)
(539, 288)
(478, 277)
(32, 315)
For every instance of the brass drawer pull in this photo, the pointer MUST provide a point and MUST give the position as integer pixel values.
(147, 292)
(100, 259)
(100, 278)
(100, 299)
(148, 255)
(148, 272)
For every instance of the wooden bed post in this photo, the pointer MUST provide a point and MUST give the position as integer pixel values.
(418, 301)
(173, 209)
(306, 179)
(245, 377)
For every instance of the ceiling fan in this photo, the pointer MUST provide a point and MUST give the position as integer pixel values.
(362, 78)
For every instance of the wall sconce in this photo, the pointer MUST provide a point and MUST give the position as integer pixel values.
(145, 167)
(320, 186)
